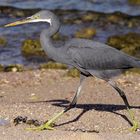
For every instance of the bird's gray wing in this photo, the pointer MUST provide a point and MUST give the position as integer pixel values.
(99, 58)
(84, 43)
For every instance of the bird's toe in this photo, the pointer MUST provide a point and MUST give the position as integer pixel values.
(46, 126)
(135, 127)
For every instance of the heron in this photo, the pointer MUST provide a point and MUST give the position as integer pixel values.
(91, 58)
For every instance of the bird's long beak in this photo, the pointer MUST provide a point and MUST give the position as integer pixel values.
(23, 21)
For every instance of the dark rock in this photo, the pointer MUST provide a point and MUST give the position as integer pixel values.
(129, 43)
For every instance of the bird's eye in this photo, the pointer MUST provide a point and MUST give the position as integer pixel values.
(36, 16)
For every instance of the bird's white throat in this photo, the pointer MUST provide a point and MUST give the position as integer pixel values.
(42, 20)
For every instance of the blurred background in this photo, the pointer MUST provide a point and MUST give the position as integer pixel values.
(114, 22)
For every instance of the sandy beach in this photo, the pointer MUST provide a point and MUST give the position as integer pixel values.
(39, 94)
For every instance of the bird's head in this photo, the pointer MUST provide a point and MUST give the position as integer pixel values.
(42, 16)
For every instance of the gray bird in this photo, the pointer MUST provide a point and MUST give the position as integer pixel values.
(91, 58)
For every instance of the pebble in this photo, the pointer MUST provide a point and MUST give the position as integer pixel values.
(4, 122)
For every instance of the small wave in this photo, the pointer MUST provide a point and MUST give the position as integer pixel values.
(104, 6)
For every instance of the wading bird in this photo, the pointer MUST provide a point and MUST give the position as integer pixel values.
(89, 57)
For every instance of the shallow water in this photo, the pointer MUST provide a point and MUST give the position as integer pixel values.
(106, 6)
(11, 53)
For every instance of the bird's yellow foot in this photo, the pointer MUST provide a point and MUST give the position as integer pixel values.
(135, 126)
(46, 126)
(49, 124)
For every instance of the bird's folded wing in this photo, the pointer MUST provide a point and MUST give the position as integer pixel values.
(99, 58)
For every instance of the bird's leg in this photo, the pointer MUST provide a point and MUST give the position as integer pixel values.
(49, 124)
(131, 114)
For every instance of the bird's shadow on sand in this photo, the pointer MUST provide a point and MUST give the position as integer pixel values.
(86, 107)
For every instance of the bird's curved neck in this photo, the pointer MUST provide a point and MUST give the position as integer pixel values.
(54, 27)
(45, 37)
